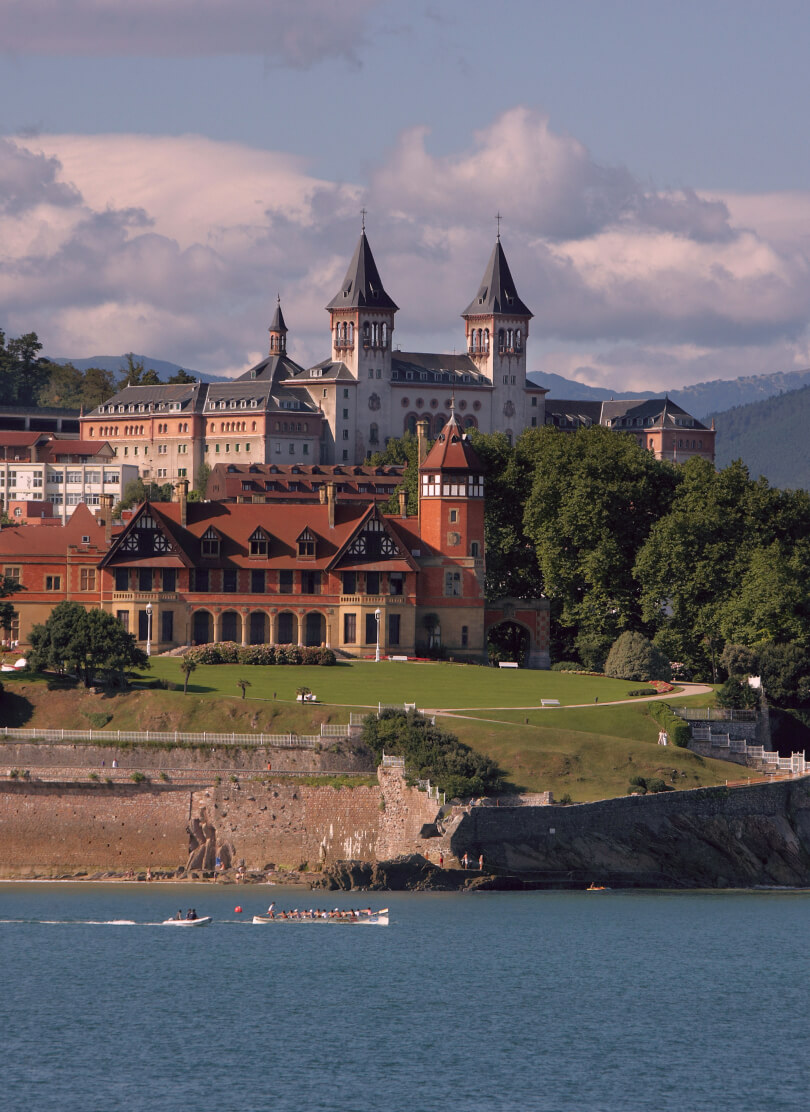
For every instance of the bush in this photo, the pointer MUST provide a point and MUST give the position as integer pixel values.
(654, 784)
(593, 649)
(97, 719)
(566, 666)
(138, 777)
(634, 657)
(228, 652)
(736, 693)
(641, 691)
(679, 732)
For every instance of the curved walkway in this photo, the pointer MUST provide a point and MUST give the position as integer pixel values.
(688, 689)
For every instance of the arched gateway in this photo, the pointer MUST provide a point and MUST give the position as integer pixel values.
(523, 623)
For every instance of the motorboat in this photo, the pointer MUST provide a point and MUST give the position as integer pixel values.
(203, 921)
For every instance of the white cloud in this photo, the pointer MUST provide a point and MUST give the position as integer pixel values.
(293, 32)
(176, 247)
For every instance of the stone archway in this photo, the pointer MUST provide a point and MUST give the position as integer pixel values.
(231, 626)
(525, 637)
(259, 628)
(286, 628)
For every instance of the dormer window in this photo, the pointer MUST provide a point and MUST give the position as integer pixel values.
(306, 543)
(211, 542)
(259, 543)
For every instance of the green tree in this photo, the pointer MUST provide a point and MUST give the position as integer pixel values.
(23, 373)
(91, 643)
(187, 666)
(634, 657)
(134, 374)
(201, 482)
(98, 386)
(511, 559)
(63, 387)
(181, 377)
(243, 685)
(595, 497)
(399, 451)
(431, 753)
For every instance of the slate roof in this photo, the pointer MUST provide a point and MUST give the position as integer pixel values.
(619, 413)
(497, 292)
(299, 482)
(452, 451)
(450, 369)
(277, 323)
(362, 287)
(328, 370)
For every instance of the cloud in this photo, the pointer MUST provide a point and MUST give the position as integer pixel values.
(293, 32)
(177, 246)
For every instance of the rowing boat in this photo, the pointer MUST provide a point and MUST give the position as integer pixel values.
(367, 919)
(203, 922)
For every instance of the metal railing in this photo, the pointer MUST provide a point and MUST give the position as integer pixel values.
(714, 714)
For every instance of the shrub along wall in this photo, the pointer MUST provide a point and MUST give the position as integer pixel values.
(228, 652)
(678, 730)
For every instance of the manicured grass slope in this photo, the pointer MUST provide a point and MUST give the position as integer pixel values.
(588, 751)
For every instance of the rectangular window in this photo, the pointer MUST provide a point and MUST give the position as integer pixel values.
(306, 450)
(123, 618)
(229, 580)
(87, 579)
(285, 581)
(345, 434)
(122, 579)
(53, 582)
(12, 573)
(453, 515)
(345, 415)
(452, 583)
(144, 579)
(349, 629)
(167, 625)
(349, 582)
(74, 476)
(534, 422)
(257, 585)
(372, 582)
(201, 579)
(345, 391)
(465, 636)
(393, 629)
(169, 584)
(371, 629)
(534, 401)
(310, 582)
(396, 583)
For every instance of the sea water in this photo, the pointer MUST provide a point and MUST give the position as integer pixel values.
(552, 1001)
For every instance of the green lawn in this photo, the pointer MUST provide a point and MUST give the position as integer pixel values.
(365, 684)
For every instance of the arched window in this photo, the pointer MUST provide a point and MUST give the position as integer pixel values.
(501, 340)
(475, 548)
(366, 334)
(384, 334)
(410, 424)
(471, 423)
(486, 340)
(351, 333)
(517, 340)
(373, 433)
(439, 421)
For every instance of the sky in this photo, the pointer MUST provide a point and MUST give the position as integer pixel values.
(168, 168)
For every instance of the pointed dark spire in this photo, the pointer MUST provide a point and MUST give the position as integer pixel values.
(277, 323)
(497, 293)
(362, 287)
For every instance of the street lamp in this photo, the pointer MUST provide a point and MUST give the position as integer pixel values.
(377, 614)
(149, 629)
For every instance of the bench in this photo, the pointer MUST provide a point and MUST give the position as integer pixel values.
(507, 664)
(398, 658)
(310, 698)
(549, 702)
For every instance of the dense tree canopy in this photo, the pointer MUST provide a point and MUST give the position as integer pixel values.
(431, 754)
(89, 643)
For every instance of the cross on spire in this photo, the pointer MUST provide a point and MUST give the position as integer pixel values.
(498, 219)
(363, 218)
(453, 404)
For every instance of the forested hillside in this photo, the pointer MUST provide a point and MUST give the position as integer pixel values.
(770, 437)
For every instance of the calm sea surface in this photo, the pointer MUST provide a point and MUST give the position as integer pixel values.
(549, 1001)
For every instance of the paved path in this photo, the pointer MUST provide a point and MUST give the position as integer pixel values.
(688, 689)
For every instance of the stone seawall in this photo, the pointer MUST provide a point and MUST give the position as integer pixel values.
(709, 837)
(333, 756)
(49, 827)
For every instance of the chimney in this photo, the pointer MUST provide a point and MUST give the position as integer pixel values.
(330, 502)
(104, 516)
(403, 503)
(181, 490)
(421, 440)
(322, 494)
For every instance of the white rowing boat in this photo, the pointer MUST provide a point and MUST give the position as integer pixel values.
(202, 922)
(367, 919)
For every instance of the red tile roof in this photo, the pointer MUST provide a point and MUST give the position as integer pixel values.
(452, 451)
